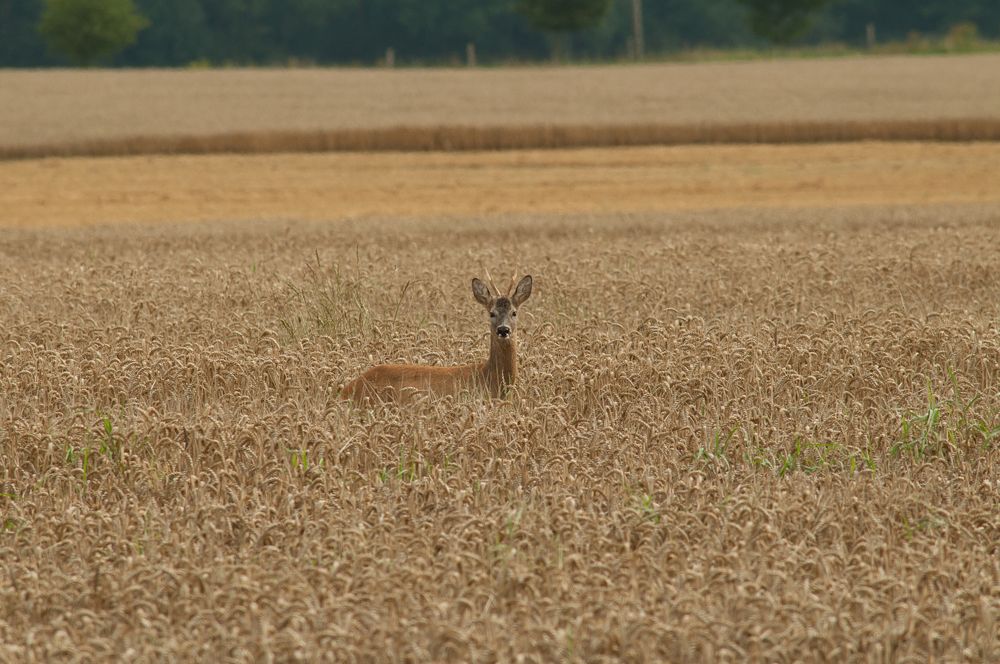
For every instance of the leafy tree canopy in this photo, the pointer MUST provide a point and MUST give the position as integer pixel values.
(86, 30)
(782, 21)
(563, 15)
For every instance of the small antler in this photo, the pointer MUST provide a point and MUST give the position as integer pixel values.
(496, 290)
(513, 278)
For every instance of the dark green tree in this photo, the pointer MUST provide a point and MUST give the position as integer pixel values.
(86, 30)
(561, 17)
(176, 36)
(20, 45)
(782, 21)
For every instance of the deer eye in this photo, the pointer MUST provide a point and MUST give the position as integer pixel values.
(513, 314)
(493, 314)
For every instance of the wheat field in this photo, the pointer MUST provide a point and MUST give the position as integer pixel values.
(758, 408)
(55, 112)
(750, 434)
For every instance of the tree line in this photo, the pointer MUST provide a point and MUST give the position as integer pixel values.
(169, 33)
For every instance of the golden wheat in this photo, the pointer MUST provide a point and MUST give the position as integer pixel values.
(463, 139)
(72, 192)
(737, 435)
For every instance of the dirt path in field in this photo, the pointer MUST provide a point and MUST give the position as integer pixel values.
(73, 192)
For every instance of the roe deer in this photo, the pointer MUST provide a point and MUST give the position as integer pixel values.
(394, 382)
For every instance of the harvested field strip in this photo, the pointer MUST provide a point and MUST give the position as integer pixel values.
(456, 138)
(738, 436)
(69, 192)
(144, 111)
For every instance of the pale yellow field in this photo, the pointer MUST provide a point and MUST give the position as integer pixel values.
(53, 108)
(69, 192)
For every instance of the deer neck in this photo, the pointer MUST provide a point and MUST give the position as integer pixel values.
(500, 369)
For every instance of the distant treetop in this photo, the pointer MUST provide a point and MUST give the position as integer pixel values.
(782, 21)
(563, 15)
(87, 30)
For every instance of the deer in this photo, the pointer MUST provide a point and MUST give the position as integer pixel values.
(400, 382)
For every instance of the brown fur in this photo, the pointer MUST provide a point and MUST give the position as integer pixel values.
(401, 382)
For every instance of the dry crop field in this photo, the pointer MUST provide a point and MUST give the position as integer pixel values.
(765, 433)
(239, 110)
(759, 405)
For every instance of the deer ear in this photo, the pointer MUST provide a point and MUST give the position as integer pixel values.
(523, 290)
(481, 293)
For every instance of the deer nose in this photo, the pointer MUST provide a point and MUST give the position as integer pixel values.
(503, 331)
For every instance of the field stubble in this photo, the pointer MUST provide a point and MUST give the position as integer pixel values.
(46, 113)
(767, 435)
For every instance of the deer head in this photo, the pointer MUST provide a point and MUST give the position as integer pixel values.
(502, 307)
